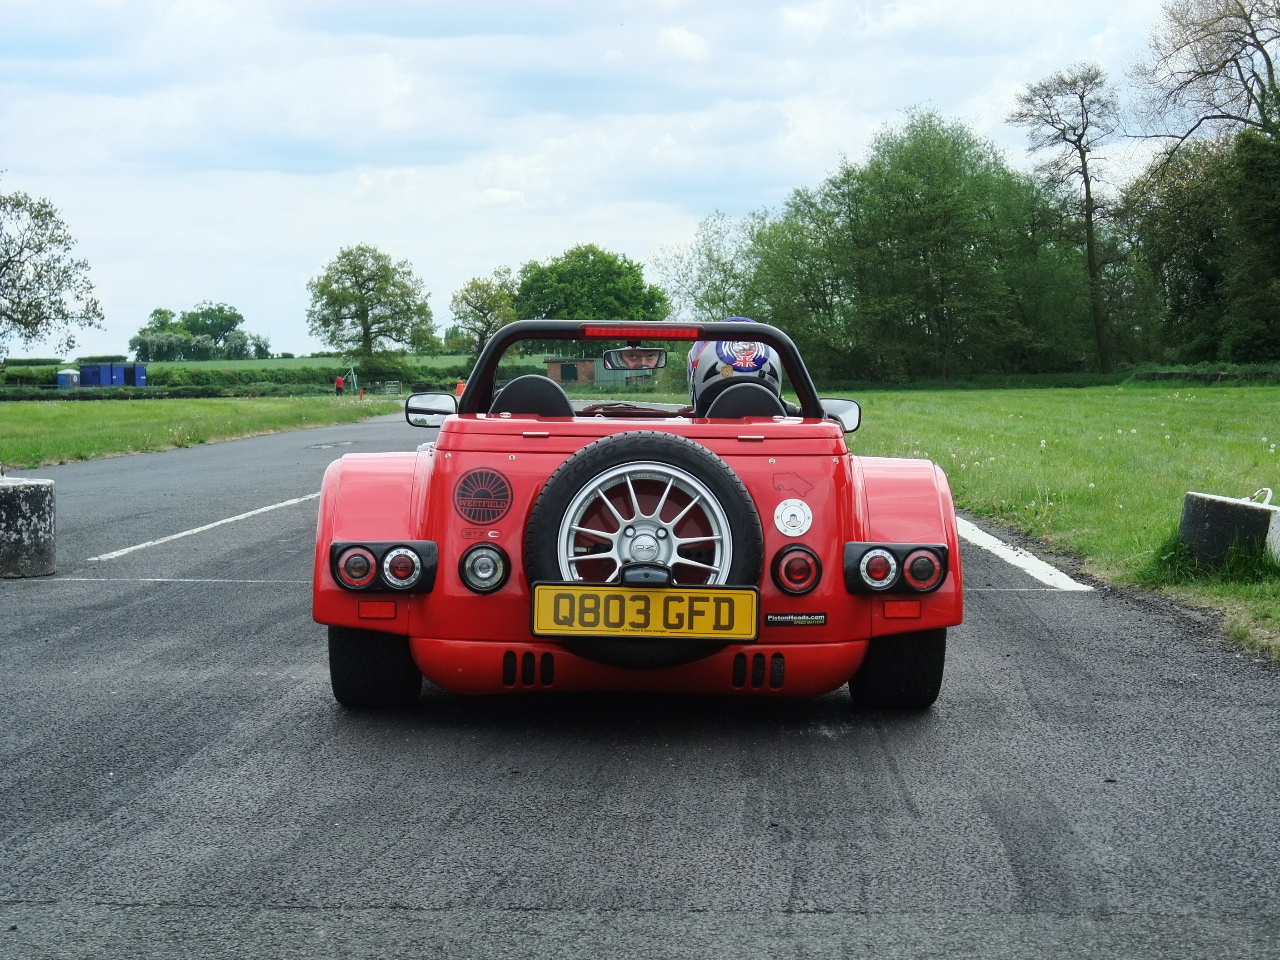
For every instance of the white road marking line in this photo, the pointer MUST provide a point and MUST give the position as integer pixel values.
(157, 580)
(207, 526)
(1033, 565)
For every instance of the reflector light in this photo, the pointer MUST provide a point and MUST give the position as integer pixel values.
(878, 568)
(656, 330)
(922, 569)
(796, 570)
(356, 567)
(401, 568)
(484, 568)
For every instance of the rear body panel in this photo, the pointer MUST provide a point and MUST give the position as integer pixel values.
(466, 642)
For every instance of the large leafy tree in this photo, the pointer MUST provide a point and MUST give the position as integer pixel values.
(1069, 115)
(364, 303)
(481, 306)
(44, 291)
(588, 283)
(213, 320)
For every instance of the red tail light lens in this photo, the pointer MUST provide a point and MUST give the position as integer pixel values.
(878, 569)
(922, 569)
(357, 568)
(796, 570)
(401, 568)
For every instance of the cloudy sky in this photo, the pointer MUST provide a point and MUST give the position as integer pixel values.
(225, 151)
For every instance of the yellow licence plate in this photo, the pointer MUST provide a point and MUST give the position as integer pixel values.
(684, 613)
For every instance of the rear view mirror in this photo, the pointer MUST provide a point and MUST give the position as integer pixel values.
(844, 411)
(429, 409)
(635, 358)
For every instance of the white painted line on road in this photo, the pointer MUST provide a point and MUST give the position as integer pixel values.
(1032, 565)
(207, 526)
(157, 580)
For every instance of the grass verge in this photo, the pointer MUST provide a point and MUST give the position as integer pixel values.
(34, 434)
(1101, 472)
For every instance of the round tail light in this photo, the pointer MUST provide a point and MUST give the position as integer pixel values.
(796, 570)
(357, 568)
(401, 568)
(879, 568)
(484, 568)
(922, 569)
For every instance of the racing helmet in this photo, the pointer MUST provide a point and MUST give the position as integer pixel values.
(716, 364)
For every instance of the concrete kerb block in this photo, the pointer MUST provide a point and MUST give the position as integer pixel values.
(1211, 524)
(27, 545)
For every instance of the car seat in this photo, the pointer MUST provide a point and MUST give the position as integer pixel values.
(745, 400)
(532, 394)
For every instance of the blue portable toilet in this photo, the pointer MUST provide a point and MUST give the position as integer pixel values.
(68, 379)
(91, 375)
(135, 374)
(113, 375)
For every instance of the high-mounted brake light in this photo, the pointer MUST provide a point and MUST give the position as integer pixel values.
(655, 330)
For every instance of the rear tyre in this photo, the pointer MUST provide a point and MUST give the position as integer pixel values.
(901, 672)
(370, 670)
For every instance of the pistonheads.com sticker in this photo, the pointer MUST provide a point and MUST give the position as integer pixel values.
(795, 619)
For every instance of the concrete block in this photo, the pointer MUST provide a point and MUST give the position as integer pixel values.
(1211, 524)
(27, 546)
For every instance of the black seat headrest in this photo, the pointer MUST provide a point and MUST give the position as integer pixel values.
(746, 400)
(532, 394)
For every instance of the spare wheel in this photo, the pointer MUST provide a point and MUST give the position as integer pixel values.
(647, 497)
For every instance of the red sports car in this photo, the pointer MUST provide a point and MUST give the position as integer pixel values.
(733, 545)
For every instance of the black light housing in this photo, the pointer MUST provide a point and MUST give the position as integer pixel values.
(414, 560)
(895, 567)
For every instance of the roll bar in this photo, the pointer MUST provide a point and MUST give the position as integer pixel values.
(478, 395)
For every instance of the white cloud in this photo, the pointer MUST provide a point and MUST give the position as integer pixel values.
(225, 150)
(683, 44)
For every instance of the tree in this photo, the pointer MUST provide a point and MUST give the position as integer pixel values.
(261, 346)
(482, 306)
(588, 283)
(1178, 216)
(1212, 67)
(44, 291)
(363, 303)
(161, 321)
(236, 346)
(213, 320)
(1072, 113)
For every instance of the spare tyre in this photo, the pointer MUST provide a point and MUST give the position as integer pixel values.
(645, 497)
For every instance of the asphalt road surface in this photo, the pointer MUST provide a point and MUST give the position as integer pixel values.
(1100, 777)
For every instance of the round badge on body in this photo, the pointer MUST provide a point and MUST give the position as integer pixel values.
(793, 518)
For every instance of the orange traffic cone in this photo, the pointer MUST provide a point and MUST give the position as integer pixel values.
(462, 385)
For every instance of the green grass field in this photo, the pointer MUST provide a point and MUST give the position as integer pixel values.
(1099, 472)
(293, 363)
(37, 433)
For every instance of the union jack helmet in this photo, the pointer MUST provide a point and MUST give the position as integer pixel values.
(715, 364)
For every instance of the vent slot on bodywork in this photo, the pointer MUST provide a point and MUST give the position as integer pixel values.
(528, 669)
(773, 667)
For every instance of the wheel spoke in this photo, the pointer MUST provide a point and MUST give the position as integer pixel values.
(635, 501)
(680, 516)
(612, 509)
(695, 563)
(682, 541)
(598, 534)
(662, 500)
